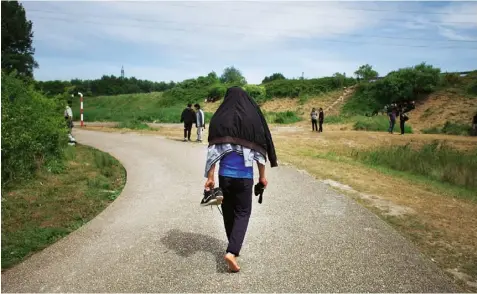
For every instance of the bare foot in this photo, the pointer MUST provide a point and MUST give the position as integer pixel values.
(232, 262)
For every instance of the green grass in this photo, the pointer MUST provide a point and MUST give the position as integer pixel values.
(378, 123)
(132, 107)
(436, 161)
(430, 184)
(450, 128)
(286, 117)
(133, 125)
(61, 198)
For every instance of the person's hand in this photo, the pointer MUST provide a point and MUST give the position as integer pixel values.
(263, 181)
(209, 184)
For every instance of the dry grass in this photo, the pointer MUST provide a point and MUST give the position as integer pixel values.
(442, 225)
(441, 107)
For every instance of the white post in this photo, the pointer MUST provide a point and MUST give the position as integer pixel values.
(81, 108)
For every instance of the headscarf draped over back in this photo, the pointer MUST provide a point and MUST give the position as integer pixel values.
(240, 121)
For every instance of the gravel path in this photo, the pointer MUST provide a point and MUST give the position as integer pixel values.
(155, 237)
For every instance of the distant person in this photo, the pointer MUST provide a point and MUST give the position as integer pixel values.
(199, 122)
(188, 118)
(392, 120)
(314, 119)
(402, 120)
(474, 124)
(238, 136)
(321, 118)
(68, 114)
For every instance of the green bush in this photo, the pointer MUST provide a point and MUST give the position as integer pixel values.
(258, 93)
(295, 88)
(361, 102)
(287, 117)
(436, 161)
(377, 124)
(450, 128)
(217, 92)
(33, 129)
(405, 84)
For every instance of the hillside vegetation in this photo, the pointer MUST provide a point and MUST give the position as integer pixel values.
(445, 103)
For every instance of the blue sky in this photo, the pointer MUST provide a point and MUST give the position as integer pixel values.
(177, 40)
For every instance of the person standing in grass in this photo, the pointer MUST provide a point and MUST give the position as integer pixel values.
(314, 119)
(392, 120)
(69, 116)
(238, 136)
(188, 118)
(200, 121)
(321, 118)
(402, 119)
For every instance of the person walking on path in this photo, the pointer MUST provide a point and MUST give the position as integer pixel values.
(199, 122)
(238, 136)
(314, 119)
(188, 118)
(321, 118)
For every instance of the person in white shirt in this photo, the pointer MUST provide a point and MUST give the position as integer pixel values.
(200, 121)
(69, 116)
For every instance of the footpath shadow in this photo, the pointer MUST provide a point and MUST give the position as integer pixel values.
(186, 244)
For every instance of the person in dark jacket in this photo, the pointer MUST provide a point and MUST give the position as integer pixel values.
(238, 136)
(402, 119)
(188, 118)
(321, 118)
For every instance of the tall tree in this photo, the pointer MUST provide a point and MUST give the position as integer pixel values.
(366, 73)
(17, 38)
(231, 75)
(273, 77)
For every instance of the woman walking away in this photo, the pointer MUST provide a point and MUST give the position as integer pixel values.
(238, 136)
(314, 119)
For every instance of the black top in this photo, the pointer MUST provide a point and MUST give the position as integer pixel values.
(188, 116)
(240, 121)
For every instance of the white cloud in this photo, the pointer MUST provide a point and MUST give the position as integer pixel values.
(194, 37)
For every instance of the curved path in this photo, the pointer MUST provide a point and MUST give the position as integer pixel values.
(156, 238)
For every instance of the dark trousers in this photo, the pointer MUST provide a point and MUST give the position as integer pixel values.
(321, 126)
(391, 125)
(236, 208)
(187, 130)
(314, 125)
(401, 125)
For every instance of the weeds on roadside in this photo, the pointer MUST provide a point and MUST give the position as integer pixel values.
(435, 160)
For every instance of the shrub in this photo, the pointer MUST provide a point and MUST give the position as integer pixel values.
(217, 92)
(287, 117)
(258, 93)
(33, 129)
(450, 128)
(405, 84)
(295, 88)
(377, 124)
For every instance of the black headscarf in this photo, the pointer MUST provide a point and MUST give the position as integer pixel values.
(240, 121)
